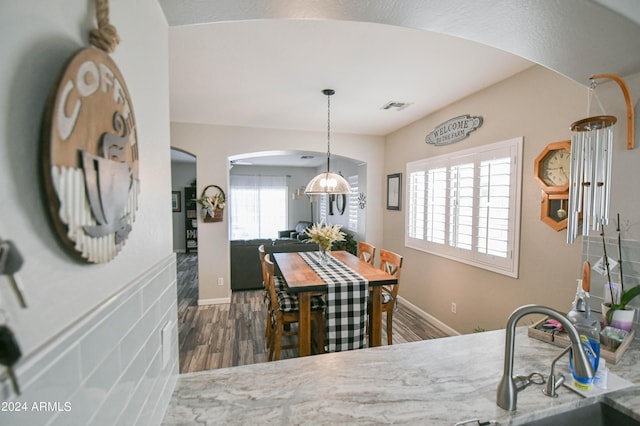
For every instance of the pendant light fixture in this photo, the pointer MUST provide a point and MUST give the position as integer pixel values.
(327, 182)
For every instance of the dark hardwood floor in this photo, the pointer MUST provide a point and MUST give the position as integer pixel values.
(229, 335)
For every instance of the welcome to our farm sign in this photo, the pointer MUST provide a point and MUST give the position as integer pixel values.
(453, 130)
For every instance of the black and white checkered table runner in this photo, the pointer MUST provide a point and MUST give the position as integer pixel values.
(346, 311)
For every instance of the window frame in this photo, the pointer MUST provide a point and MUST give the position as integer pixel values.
(417, 227)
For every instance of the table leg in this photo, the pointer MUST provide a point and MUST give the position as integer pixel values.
(375, 317)
(304, 326)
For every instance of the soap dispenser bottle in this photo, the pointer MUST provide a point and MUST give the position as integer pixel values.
(588, 328)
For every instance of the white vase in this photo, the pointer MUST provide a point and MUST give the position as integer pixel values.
(622, 318)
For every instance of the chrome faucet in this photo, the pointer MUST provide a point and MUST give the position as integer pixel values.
(507, 395)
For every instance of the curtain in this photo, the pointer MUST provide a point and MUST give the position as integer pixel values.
(258, 206)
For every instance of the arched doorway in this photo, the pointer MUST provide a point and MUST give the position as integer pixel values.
(299, 167)
(184, 226)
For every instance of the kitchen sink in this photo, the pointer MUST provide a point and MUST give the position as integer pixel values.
(599, 414)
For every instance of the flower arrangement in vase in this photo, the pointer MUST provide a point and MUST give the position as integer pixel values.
(324, 235)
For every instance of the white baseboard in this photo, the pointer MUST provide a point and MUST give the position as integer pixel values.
(219, 301)
(439, 324)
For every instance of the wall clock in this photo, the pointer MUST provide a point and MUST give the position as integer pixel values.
(551, 171)
(551, 167)
(553, 211)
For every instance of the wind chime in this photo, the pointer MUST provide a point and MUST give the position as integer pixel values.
(591, 154)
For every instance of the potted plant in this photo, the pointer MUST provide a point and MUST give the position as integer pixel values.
(616, 313)
(349, 244)
(619, 315)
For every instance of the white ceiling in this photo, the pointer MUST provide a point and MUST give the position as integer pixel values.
(271, 74)
(263, 63)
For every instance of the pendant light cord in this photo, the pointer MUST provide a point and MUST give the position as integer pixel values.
(328, 130)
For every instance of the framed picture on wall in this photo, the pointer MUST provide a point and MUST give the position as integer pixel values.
(394, 191)
(176, 203)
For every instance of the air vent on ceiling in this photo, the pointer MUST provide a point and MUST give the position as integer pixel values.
(395, 105)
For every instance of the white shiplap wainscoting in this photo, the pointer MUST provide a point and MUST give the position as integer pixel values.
(109, 367)
(592, 250)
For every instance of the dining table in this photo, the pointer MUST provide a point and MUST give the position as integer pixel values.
(304, 282)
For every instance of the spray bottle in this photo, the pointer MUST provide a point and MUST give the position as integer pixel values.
(589, 330)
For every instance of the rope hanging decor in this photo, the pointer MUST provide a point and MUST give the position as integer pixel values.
(105, 37)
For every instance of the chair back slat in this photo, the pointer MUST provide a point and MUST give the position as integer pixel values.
(391, 263)
(366, 252)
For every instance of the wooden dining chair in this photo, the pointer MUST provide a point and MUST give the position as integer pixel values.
(284, 311)
(277, 280)
(279, 284)
(366, 252)
(267, 296)
(391, 263)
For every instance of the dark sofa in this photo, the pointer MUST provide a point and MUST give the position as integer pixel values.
(298, 232)
(246, 272)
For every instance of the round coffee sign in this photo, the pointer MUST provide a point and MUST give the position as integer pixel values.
(90, 157)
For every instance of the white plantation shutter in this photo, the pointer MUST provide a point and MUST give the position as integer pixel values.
(323, 212)
(416, 209)
(493, 215)
(466, 206)
(353, 205)
(436, 205)
(461, 206)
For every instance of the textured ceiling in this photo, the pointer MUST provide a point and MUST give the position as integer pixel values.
(263, 63)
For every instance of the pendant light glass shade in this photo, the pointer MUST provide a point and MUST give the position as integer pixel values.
(327, 182)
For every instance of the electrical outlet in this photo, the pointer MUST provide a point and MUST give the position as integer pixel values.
(220, 281)
(453, 307)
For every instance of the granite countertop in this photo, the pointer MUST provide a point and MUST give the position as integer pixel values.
(435, 382)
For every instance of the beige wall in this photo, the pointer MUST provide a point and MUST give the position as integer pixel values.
(214, 144)
(539, 105)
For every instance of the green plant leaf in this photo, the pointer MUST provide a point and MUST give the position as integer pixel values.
(629, 295)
